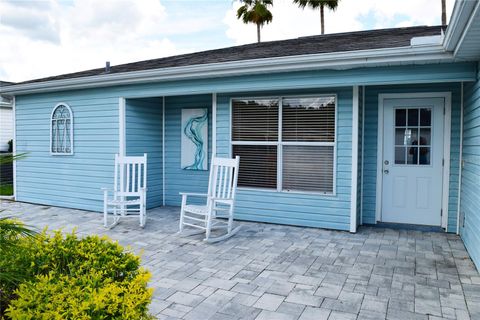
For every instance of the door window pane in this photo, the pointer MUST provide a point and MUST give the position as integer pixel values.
(412, 155)
(412, 117)
(412, 137)
(426, 117)
(424, 155)
(425, 137)
(400, 136)
(400, 153)
(400, 117)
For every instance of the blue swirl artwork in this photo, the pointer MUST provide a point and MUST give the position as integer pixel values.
(194, 139)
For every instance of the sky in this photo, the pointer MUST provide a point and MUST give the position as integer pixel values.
(40, 38)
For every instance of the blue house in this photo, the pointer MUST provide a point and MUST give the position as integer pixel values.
(333, 131)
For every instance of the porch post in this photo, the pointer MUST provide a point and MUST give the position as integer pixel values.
(214, 125)
(121, 126)
(163, 151)
(354, 179)
(14, 147)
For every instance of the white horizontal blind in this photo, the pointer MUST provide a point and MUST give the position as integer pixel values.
(258, 165)
(255, 120)
(308, 126)
(308, 168)
(299, 148)
(308, 119)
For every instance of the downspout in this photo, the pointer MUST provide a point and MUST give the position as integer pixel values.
(460, 159)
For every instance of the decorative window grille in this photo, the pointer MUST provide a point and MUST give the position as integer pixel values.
(287, 144)
(61, 130)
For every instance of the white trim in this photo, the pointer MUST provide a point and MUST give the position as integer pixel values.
(379, 184)
(363, 155)
(447, 96)
(460, 159)
(348, 59)
(121, 127)
(214, 125)
(354, 180)
(467, 28)
(286, 143)
(63, 104)
(279, 143)
(462, 12)
(163, 152)
(447, 129)
(14, 146)
(279, 146)
(230, 149)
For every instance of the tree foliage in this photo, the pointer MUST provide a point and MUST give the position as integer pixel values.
(318, 4)
(256, 11)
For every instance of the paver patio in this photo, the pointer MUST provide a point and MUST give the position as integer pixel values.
(282, 272)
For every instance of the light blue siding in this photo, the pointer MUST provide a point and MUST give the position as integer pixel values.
(143, 132)
(176, 179)
(74, 180)
(311, 210)
(371, 127)
(470, 195)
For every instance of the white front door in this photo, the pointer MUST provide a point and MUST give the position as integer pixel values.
(413, 161)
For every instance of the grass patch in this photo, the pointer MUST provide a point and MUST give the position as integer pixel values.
(6, 190)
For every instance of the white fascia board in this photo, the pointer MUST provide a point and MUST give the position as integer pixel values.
(467, 33)
(334, 60)
(461, 14)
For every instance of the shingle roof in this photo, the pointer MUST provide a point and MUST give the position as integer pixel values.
(339, 42)
(5, 83)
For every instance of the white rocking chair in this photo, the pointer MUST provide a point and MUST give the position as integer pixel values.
(220, 199)
(129, 191)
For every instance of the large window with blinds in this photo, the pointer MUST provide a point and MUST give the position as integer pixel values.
(286, 143)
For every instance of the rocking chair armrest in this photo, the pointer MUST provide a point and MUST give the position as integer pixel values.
(193, 194)
(225, 200)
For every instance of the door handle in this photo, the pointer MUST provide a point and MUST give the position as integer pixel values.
(386, 171)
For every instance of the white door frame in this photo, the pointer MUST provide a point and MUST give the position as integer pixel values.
(446, 147)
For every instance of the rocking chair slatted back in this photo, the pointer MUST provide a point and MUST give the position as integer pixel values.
(223, 178)
(130, 175)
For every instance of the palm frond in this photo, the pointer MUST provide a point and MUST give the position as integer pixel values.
(255, 11)
(314, 4)
(12, 230)
(10, 158)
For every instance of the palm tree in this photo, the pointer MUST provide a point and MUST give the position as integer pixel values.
(444, 13)
(255, 11)
(314, 4)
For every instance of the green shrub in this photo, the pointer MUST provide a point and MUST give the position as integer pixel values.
(72, 278)
(12, 236)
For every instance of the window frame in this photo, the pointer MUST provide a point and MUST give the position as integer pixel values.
(71, 130)
(279, 143)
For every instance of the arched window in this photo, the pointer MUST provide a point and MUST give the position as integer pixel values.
(61, 130)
